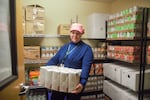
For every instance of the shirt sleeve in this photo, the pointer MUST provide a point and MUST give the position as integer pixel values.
(86, 65)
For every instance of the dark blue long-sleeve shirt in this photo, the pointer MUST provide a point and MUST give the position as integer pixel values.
(80, 57)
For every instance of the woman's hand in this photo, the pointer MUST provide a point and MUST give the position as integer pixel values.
(77, 89)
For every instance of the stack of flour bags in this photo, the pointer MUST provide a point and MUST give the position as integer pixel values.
(61, 79)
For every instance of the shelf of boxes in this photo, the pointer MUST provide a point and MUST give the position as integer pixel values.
(125, 24)
(128, 28)
(35, 61)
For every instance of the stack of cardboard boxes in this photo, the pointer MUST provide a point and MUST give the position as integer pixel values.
(34, 19)
(33, 23)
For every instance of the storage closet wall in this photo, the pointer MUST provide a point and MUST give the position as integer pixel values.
(129, 75)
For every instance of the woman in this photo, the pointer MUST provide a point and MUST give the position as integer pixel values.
(75, 54)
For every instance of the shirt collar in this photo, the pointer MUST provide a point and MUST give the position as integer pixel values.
(72, 43)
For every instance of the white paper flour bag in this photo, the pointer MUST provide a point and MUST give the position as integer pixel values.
(63, 81)
(55, 80)
(42, 74)
(73, 79)
(48, 78)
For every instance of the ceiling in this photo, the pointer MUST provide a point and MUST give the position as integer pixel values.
(106, 0)
(103, 0)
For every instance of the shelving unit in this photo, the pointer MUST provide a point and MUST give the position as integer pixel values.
(37, 61)
(129, 33)
(43, 36)
(93, 88)
(37, 92)
(96, 86)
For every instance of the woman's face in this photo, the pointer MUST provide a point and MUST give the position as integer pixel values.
(75, 36)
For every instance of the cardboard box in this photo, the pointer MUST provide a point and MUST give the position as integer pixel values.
(64, 29)
(130, 79)
(117, 92)
(32, 52)
(115, 71)
(35, 27)
(112, 71)
(33, 12)
(97, 25)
